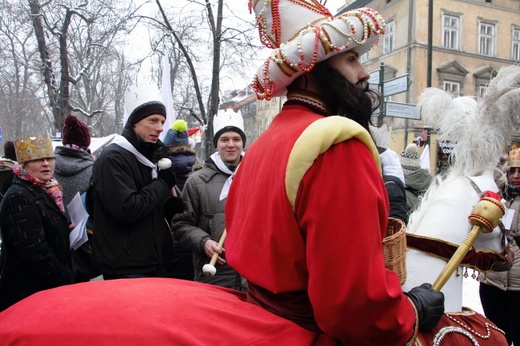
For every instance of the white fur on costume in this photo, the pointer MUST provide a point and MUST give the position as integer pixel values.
(481, 130)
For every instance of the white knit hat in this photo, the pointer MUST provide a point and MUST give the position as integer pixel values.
(410, 159)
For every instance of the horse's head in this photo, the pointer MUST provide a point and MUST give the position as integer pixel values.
(441, 222)
(480, 129)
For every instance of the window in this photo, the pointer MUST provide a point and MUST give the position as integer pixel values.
(516, 44)
(365, 57)
(452, 77)
(486, 39)
(450, 29)
(452, 87)
(388, 42)
(481, 90)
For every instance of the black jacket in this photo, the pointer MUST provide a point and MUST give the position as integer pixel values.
(6, 175)
(396, 197)
(36, 237)
(128, 214)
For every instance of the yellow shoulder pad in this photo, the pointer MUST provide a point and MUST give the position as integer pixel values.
(315, 140)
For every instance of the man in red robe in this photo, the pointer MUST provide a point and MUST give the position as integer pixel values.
(306, 215)
(308, 210)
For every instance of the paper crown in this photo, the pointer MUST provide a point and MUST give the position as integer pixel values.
(33, 149)
(303, 33)
(513, 159)
(138, 97)
(228, 120)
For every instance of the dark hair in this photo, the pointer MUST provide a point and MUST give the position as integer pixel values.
(9, 151)
(344, 98)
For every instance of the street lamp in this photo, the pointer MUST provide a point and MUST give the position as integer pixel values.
(430, 40)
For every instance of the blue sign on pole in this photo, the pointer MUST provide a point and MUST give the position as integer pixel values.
(0, 135)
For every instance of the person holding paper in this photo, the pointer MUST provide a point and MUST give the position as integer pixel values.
(74, 161)
(73, 170)
(33, 224)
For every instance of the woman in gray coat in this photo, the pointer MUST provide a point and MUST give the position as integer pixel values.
(73, 170)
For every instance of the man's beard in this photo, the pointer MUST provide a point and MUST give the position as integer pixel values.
(344, 98)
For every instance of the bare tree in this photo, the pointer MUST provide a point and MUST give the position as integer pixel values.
(229, 48)
(75, 41)
(20, 110)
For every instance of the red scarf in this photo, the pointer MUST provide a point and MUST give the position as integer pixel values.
(51, 187)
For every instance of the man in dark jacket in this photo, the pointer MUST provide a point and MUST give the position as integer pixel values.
(130, 193)
(200, 227)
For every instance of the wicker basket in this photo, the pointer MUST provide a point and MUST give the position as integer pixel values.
(394, 248)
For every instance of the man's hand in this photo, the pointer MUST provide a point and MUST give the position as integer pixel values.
(429, 304)
(168, 176)
(210, 247)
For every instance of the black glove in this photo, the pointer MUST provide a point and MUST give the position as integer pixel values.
(174, 205)
(168, 176)
(429, 304)
(161, 151)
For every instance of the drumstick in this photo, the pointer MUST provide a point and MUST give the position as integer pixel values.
(484, 217)
(209, 269)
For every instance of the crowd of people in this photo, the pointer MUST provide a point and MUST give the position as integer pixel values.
(146, 219)
(321, 263)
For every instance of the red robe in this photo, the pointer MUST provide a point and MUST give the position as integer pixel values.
(322, 258)
(309, 241)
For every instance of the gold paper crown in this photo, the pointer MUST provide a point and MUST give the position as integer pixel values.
(33, 149)
(514, 157)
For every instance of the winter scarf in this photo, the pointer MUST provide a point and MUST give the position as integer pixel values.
(51, 187)
(224, 169)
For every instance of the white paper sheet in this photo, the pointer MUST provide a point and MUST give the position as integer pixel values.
(78, 216)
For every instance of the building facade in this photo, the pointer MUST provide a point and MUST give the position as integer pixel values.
(458, 46)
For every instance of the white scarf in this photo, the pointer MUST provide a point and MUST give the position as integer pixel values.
(125, 144)
(222, 167)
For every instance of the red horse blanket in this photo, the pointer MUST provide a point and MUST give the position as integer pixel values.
(174, 312)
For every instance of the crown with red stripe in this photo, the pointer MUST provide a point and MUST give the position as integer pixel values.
(303, 33)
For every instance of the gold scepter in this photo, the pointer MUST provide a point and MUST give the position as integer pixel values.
(484, 217)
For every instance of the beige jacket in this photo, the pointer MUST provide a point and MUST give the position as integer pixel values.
(509, 280)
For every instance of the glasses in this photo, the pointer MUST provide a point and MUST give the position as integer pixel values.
(514, 170)
(48, 159)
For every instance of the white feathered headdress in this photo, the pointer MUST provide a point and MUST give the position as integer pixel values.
(481, 128)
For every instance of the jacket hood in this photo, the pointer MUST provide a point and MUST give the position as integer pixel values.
(418, 180)
(71, 161)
